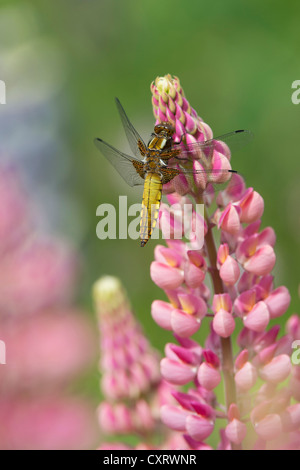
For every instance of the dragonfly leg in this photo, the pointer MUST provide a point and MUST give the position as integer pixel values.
(181, 139)
(180, 159)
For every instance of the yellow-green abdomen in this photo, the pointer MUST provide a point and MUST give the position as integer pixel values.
(150, 206)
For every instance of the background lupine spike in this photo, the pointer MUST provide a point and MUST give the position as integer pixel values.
(131, 383)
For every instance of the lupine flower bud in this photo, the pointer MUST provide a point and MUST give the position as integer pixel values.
(259, 260)
(208, 373)
(236, 430)
(277, 370)
(229, 269)
(165, 276)
(223, 322)
(246, 375)
(267, 425)
(252, 206)
(179, 367)
(161, 313)
(278, 302)
(230, 220)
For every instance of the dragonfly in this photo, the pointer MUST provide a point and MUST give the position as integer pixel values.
(151, 165)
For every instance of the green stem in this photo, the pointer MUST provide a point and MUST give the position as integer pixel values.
(227, 356)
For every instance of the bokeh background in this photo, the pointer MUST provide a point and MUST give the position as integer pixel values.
(64, 62)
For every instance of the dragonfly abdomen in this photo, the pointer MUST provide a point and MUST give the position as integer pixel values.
(150, 206)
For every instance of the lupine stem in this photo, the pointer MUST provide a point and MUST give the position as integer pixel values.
(227, 356)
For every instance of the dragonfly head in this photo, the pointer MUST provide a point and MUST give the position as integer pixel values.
(164, 129)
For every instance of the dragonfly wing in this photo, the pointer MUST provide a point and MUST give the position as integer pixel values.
(131, 169)
(231, 182)
(224, 144)
(216, 169)
(213, 156)
(234, 187)
(136, 143)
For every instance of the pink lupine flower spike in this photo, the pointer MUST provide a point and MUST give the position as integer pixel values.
(261, 384)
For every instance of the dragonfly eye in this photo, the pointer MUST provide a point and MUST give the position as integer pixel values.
(158, 128)
(165, 127)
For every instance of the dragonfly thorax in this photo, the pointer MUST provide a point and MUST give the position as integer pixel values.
(162, 137)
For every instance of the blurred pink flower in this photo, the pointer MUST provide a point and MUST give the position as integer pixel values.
(45, 423)
(48, 342)
(51, 348)
(38, 274)
(14, 216)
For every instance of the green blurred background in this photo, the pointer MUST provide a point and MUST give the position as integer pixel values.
(236, 62)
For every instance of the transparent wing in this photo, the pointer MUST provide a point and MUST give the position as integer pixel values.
(131, 133)
(232, 188)
(224, 143)
(124, 164)
(213, 155)
(214, 168)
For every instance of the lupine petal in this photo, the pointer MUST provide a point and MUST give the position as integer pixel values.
(252, 206)
(236, 431)
(174, 417)
(208, 376)
(199, 428)
(193, 305)
(291, 418)
(262, 262)
(278, 302)
(245, 378)
(177, 373)
(183, 324)
(165, 276)
(241, 359)
(193, 276)
(223, 323)
(230, 271)
(258, 318)
(230, 220)
(167, 256)
(277, 370)
(161, 314)
(269, 427)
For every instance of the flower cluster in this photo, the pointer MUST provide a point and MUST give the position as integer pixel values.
(260, 382)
